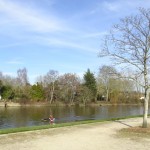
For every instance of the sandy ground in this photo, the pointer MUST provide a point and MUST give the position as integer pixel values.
(97, 136)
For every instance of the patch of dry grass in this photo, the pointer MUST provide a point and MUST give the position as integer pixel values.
(136, 132)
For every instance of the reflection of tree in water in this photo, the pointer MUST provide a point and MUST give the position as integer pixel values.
(86, 112)
(28, 116)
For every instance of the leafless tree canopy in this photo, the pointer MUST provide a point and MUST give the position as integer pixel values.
(22, 77)
(128, 44)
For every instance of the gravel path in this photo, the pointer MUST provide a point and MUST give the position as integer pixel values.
(96, 136)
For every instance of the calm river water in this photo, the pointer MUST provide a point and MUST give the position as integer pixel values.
(30, 116)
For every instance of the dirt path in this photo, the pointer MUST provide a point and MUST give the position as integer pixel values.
(97, 136)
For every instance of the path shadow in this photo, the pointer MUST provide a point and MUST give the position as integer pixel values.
(123, 123)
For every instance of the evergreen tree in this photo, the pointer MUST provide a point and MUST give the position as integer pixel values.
(7, 92)
(90, 82)
(37, 92)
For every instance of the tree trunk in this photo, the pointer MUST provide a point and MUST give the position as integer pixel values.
(107, 95)
(72, 98)
(52, 92)
(145, 113)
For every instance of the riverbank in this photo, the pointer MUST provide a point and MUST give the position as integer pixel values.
(14, 104)
(9, 104)
(95, 136)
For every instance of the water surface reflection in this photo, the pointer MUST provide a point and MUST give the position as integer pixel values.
(29, 116)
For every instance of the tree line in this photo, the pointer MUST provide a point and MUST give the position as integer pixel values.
(69, 88)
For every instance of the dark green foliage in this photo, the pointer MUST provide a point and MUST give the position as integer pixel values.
(7, 92)
(90, 82)
(37, 92)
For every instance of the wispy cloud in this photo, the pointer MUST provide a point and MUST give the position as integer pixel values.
(66, 42)
(120, 6)
(9, 73)
(95, 34)
(31, 18)
(50, 29)
(112, 6)
(10, 45)
(15, 62)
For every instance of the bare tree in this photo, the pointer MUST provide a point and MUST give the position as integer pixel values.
(49, 82)
(106, 74)
(50, 79)
(8, 80)
(128, 44)
(1, 75)
(68, 84)
(85, 95)
(22, 77)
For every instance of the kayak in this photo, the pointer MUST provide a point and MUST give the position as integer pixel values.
(45, 119)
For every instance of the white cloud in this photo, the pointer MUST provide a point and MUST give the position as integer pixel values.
(66, 42)
(121, 5)
(15, 62)
(9, 73)
(96, 34)
(10, 45)
(23, 19)
(112, 6)
(30, 17)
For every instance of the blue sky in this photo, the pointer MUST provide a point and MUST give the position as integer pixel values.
(62, 35)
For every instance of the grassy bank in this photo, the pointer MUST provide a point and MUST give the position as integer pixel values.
(32, 128)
